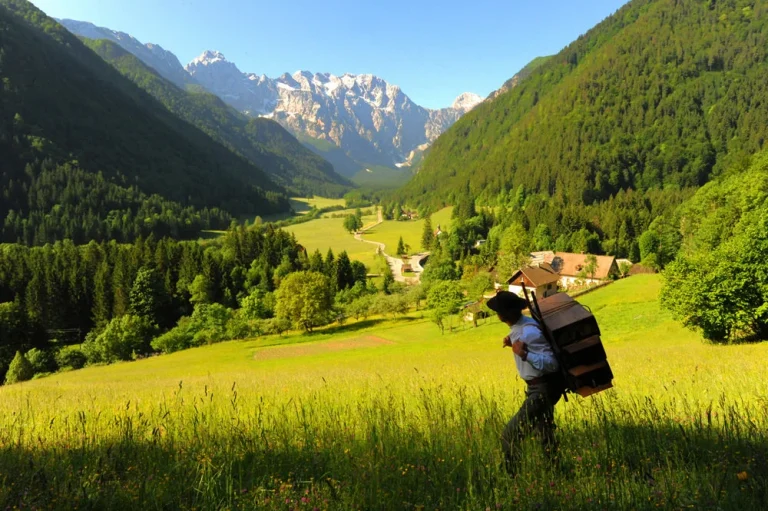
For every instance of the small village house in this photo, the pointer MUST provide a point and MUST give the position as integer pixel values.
(573, 269)
(541, 280)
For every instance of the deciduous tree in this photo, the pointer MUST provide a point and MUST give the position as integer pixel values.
(305, 298)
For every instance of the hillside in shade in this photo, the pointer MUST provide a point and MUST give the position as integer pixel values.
(84, 146)
(262, 141)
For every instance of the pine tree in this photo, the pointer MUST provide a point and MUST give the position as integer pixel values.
(120, 300)
(400, 247)
(465, 207)
(316, 262)
(201, 290)
(34, 300)
(344, 277)
(145, 295)
(359, 272)
(102, 295)
(427, 236)
(328, 267)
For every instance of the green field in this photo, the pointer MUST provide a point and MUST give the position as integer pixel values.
(325, 233)
(390, 231)
(301, 205)
(351, 211)
(392, 415)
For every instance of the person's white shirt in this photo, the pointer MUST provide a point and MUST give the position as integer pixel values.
(540, 360)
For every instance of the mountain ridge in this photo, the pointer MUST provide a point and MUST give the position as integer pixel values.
(262, 141)
(373, 121)
(349, 111)
(163, 61)
(524, 73)
(72, 126)
(655, 96)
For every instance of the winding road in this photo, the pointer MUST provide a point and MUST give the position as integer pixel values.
(395, 263)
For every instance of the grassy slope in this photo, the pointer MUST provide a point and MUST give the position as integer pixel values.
(301, 205)
(390, 231)
(325, 233)
(646, 349)
(425, 400)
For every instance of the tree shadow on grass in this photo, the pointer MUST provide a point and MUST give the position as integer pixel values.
(364, 324)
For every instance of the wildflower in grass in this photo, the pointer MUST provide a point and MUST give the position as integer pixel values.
(743, 476)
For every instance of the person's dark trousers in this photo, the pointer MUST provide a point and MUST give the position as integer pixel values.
(535, 414)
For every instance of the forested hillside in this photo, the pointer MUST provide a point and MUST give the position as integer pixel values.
(664, 94)
(262, 141)
(520, 76)
(87, 153)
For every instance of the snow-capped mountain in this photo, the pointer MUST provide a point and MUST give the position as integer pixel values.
(466, 102)
(372, 120)
(162, 61)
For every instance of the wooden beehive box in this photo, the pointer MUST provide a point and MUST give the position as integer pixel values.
(576, 336)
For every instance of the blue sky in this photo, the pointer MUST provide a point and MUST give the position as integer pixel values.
(434, 50)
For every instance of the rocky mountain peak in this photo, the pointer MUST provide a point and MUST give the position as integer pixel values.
(373, 121)
(466, 102)
(161, 60)
(209, 57)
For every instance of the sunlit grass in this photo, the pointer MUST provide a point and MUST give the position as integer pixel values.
(325, 233)
(302, 204)
(392, 415)
(390, 231)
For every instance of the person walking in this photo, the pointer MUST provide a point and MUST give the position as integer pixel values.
(537, 365)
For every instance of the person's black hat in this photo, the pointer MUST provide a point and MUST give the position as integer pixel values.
(504, 301)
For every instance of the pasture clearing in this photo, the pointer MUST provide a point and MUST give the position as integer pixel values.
(324, 233)
(302, 204)
(389, 231)
(413, 424)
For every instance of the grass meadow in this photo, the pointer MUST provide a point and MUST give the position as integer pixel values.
(324, 233)
(302, 205)
(389, 231)
(389, 414)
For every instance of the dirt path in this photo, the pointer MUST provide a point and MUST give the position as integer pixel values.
(395, 263)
